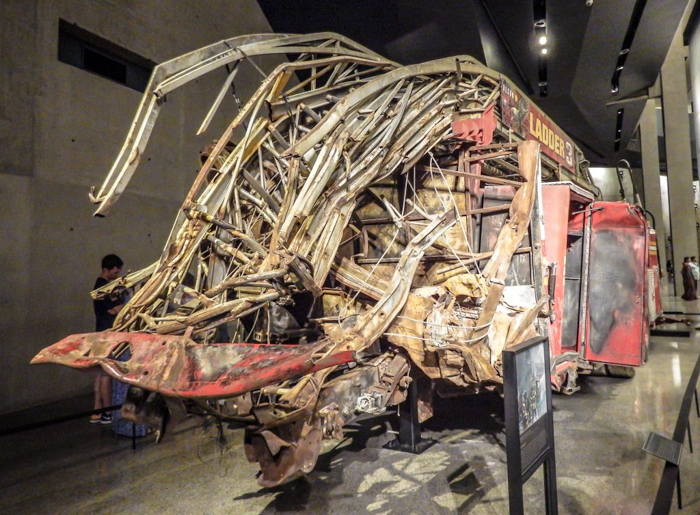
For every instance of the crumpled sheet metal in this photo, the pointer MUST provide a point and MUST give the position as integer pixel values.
(475, 363)
(172, 74)
(325, 217)
(177, 366)
(467, 285)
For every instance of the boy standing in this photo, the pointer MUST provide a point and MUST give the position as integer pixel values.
(106, 310)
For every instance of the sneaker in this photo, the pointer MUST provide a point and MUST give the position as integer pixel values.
(95, 419)
(106, 418)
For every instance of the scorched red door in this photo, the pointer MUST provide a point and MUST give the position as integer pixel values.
(617, 328)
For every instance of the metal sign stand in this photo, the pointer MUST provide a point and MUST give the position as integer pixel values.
(529, 421)
(670, 451)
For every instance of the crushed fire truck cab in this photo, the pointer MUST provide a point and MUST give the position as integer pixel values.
(362, 226)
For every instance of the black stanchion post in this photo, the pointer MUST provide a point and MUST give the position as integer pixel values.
(410, 439)
(670, 449)
(690, 439)
(550, 485)
(697, 404)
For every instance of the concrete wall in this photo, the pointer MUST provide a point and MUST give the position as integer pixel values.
(694, 79)
(60, 129)
(679, 165)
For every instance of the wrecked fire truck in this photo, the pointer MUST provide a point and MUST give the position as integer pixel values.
(362, 225)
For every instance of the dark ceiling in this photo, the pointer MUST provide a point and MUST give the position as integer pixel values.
(584, 44)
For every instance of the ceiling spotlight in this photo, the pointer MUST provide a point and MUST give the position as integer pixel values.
(544, 51)
(540, 24)
(543, 40)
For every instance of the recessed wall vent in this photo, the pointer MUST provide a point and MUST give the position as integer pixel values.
(92, 53)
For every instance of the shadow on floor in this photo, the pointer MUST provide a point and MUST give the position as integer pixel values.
(398, 476)
(46, 412)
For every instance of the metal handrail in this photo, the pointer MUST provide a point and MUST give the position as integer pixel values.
(670, 476)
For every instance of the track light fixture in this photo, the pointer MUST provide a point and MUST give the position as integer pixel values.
(632, 27)
(618, 128)
(539, 18)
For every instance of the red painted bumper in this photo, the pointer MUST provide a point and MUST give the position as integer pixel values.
(176, 366)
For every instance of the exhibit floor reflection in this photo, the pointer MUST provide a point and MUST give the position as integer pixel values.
(78, 468)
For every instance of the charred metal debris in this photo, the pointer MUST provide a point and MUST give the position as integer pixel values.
(359, 225)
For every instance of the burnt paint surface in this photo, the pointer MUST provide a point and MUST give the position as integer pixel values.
(176, 366)
(617, 318)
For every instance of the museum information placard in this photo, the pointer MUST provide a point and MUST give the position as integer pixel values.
(529, 421)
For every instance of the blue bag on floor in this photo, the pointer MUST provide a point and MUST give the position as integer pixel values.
(119, 425)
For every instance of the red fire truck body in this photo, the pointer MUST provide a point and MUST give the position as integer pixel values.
(602, 280)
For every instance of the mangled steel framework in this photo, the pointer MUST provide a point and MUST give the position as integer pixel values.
(342, 235)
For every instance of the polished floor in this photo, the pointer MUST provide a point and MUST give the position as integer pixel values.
(76, 468)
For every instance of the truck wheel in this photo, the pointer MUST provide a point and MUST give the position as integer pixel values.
(620, 371)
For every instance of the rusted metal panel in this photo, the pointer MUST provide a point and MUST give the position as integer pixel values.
(179, 367)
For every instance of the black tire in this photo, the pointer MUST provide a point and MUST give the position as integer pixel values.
(620, 371)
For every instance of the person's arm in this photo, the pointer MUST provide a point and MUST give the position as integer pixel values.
(116, 309)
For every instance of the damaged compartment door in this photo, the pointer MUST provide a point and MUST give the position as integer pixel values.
(617, 325)
(564, 204)
(523, 287)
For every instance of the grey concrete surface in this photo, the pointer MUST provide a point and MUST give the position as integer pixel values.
(650, 170)
(678, 154)
(60, 129)
(77, 468)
